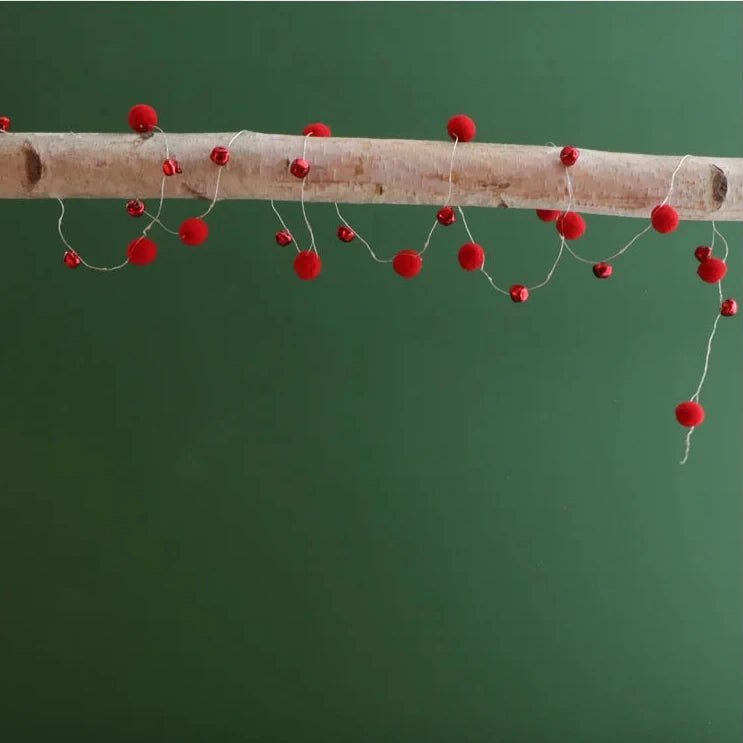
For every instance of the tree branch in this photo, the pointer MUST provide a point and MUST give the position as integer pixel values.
(366, 171)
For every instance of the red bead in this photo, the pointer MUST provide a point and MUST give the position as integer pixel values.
(712, 270)
(519, 293)
(471, 257)
(135, 207)
(702, 253)
(446, 216)
(299, 168)
(570, 225)
(664, 218)
(142, 118)
(317, 130)
(141, 251)
(193, 231)
(307, 265)
(548, 215)
(407, 263)
(283, 238)
(220, 156)
(729, 308)
(461, 127)
(569, 156)
(172, 167)
(345, 234)
(602, 270)
(690, 414)
(72, 259)
(4, 124)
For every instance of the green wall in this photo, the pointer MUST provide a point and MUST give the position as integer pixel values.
(239, 507)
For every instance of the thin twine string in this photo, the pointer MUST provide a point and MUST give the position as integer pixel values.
(368, 247)
(710, 339)
(448, 197)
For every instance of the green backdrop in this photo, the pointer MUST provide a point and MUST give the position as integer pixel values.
(240, 507)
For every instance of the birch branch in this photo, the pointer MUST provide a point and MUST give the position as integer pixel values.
(366, 171)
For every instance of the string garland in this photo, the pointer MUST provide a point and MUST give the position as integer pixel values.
(408, 262)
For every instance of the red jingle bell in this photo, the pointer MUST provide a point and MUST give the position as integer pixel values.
(220, 156)
(316, 130)
(283, 238)
(471, 257)
(519, 293)
(407, 263)
(345, 234)
(548, 215)
(141, 251)
(461, 127)
(135, 208)
(446, 216)
(569, 156)
(729, 308)
(307, 265)
(712, 270)
(702, 253)
(72, 259)
(602, 270)
(4, 124)
(172, 167)
(142, 118)
(299, 168)
(570, 225)
(690, 414)
(664, 218)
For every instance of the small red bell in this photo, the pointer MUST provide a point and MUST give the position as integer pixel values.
(299, 168)
(345, 234)
(569, 156)
(446, 216)
(729, 308)
(4, 124)
(702, 253)
(602, 270)
(519, 293)
(172, 167)
(135, 208)
(220, 156)
(283, 238)
(72, 259)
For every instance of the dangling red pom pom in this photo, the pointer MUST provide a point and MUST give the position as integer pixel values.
(4, 124)
(569, 156)
(307, 265)
(712, 270)
(220, 156)
(299, 168)
(142, 118)
(71, 259)
(570, 225)
(602, 270)
(664, 219)
(283, 238)
(471, 257)
(317, 130)
(690, 414)
(446, 216)
(702, 253)
(345, 234)
(548, 215)
(729, 308)
(519, 293)
(193, 231)
(135, 207)
(141, 251)
(461, 127)
(407, 263)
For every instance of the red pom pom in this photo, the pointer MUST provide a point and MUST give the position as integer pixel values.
(602, 270)
(4, 124)
(307, 265)
(446, 216)
(345, 234)
(407, 263)
(283, 238)
(220, 156)
(142, 118)
(193, 231)
(664, 218)
(570, 225)
(712, 270)
(729, 308)
(519, 293)
(71, 259)
(690, 414)
(702, 253)
(548, 215)
(569, 156)
(317, 130)
(471, 257)
(299, 168)
(461, 127)
(135, 207)
(141, 251)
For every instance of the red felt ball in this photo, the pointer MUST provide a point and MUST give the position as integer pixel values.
(4, 124)
(316, 130)
(407, 263)
(307, 265)
(461, 127)
(193, 231)
(728, 308)
(135, 208)
(299, 168)
(712, 270)
(345, 234)
(570, 225)
(71, 259)
(569, 156)
(141, 251)
(603, 270)
(548, 215)
(283, 238)
(142, 118)
(519, 293)
(664, 218)
(446, 216)
(471, 257)
(220, 156)
(690, 414)
(702, 253)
